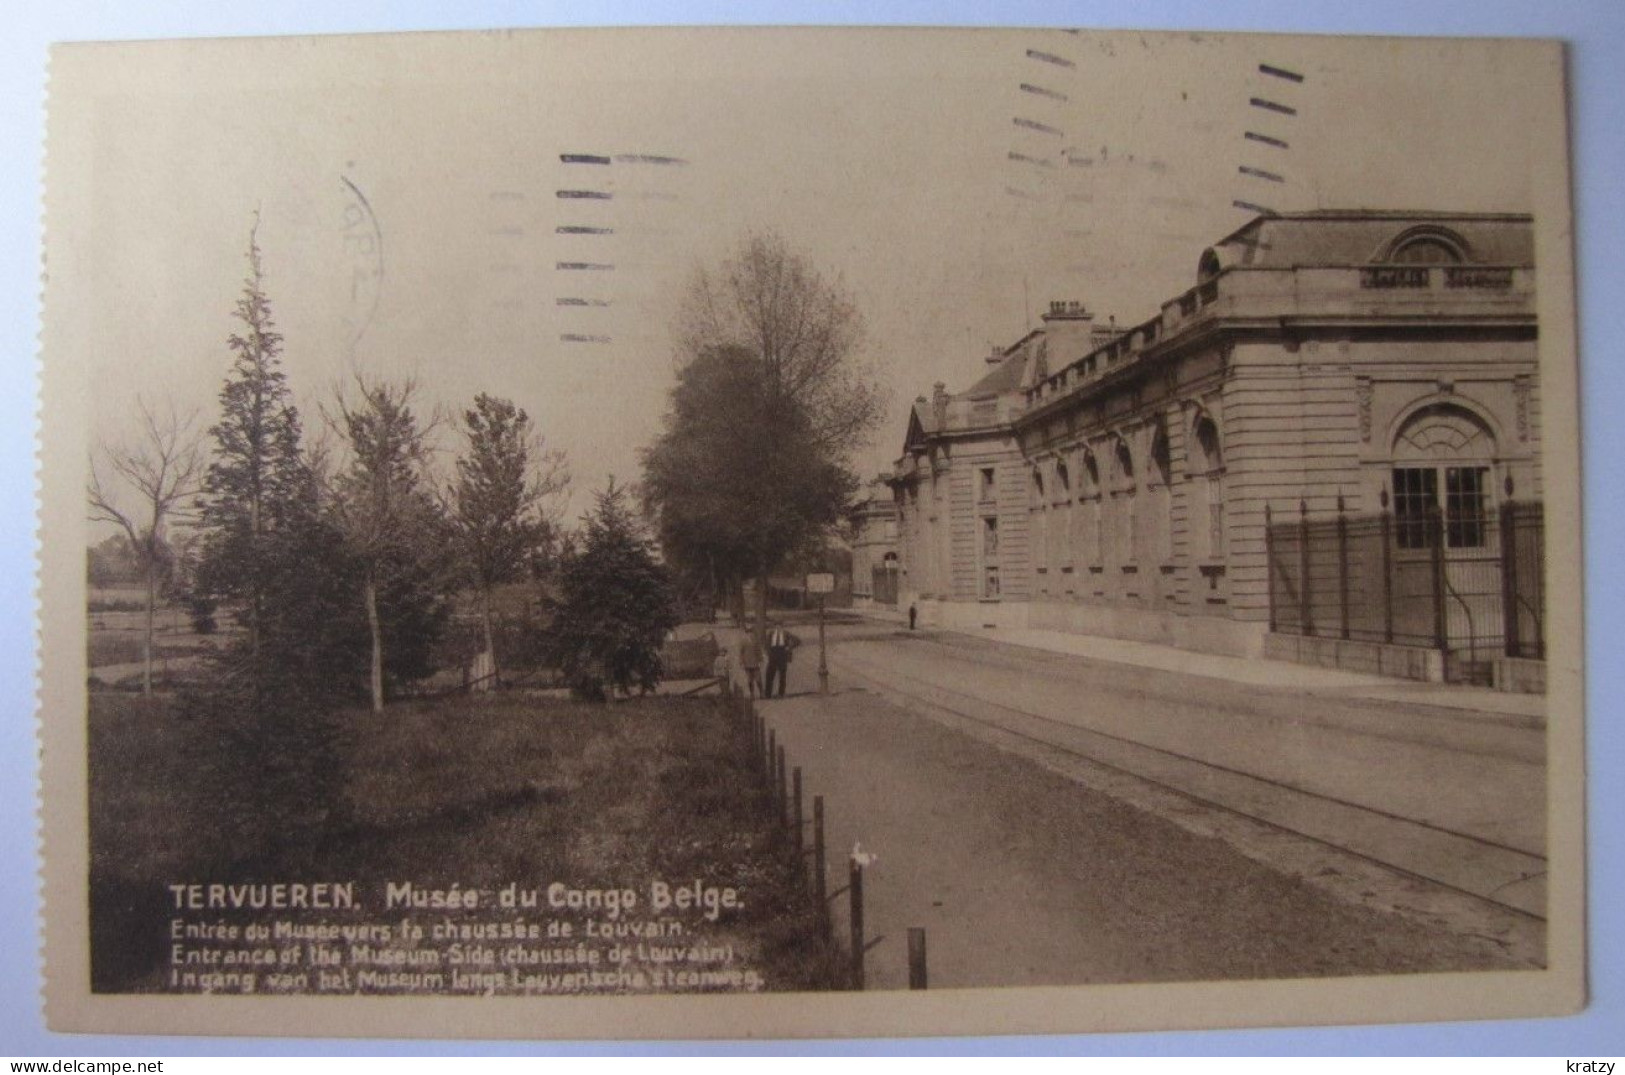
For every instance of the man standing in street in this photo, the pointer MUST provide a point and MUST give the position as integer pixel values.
(750, 661)
(779, 644)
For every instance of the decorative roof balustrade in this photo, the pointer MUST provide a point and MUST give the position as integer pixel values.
(1353, 292)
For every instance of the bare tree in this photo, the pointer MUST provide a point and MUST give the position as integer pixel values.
(163, 470)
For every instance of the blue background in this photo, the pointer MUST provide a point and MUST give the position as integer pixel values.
(1596, 35)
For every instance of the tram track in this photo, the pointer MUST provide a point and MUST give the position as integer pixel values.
(1469, 864)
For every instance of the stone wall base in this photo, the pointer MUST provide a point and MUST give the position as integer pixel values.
(1520, 675)
(1202, 634)
(1376, 658)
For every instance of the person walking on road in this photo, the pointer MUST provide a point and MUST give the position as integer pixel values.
(779, 644)
(913, 614)
(750, 662)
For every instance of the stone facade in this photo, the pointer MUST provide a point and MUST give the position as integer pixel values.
(1115, 481)
(875, 566)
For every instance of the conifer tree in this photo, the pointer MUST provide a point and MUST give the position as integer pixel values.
(615, 605)
(257, 492)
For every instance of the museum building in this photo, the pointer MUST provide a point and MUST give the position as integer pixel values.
(1127, 481)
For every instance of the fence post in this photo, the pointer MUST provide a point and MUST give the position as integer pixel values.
(855, 894)
(1509, 578)
(779, 790)
(797, 836)
(1269, 563)
(1305, 603)
(759, 724)
(916, 957)
(769, 764)
(820, 879)
(1387, 572)
(1342, 569)
(1435, 532)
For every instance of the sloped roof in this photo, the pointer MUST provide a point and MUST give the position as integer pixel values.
(926, 415)
(1005, 377)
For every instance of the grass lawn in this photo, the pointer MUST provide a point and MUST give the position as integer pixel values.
(481, 793)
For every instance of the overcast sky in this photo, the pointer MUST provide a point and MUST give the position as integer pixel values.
(408, 191)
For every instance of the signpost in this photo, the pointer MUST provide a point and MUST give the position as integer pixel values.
(821, 583)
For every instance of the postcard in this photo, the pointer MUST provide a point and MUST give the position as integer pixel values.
(808, 532)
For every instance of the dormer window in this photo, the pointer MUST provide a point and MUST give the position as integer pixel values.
(1425, 245)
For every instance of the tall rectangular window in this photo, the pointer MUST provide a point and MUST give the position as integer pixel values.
(1464, 506)
(985, 487)
(1416, 494)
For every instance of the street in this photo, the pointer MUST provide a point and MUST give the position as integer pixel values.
(1050, 819)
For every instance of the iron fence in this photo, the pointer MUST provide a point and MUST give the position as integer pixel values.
(1468, 584)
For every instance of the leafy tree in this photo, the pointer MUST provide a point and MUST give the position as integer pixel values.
(737, 480)
(382, 504)
(505, 479)
(614, 605)
(772, 399)
(112, 561)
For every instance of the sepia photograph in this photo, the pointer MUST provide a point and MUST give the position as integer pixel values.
(809, 533)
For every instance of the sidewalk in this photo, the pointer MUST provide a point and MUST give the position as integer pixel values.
(1257, 672)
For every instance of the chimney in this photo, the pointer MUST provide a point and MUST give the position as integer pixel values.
(1067, 330)
(1101, 335)
(939, 403)
(995, 356)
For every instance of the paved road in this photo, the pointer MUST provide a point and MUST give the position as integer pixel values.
(1037, 864)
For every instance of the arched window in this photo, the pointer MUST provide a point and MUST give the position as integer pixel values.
(1125, 464)
(1442, 457)
(1065, 539)
(1092, 550)
(1039, 518)
(1208, 267)
(1425, 244)
(1128, 529)
(1207, 492)
(1159, 532)
(1091, 474)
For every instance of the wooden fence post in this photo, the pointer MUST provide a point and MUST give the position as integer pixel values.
(797, 837)
(916, 957)
(855, 894)
(820, 878)
(779, 790)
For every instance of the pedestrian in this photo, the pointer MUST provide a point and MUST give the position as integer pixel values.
(779, 644)
(913, 614)
(750, 662)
